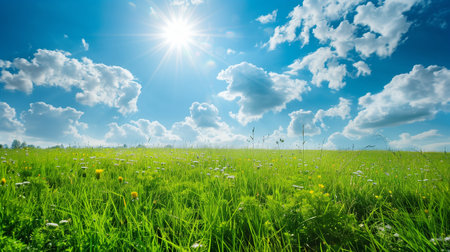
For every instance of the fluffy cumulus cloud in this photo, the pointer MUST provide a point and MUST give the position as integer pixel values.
(374, 29)
(324, 67)
(387, 24)
(205, 128)
(271, 17)
(258, 91)
(8, 120)
(205, 115)
(138, 132)
(341, 110)
(362, 67)
(98, 83)
(303, 122)
(202, 128)
(49, 123)
(429, 140)
(411, 97)
(306, 17)
(343, 26)
(310, 124)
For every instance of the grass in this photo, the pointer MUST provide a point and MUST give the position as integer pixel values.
(220, 200)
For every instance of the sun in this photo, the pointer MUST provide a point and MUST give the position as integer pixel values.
(178, 33)
(178, 36)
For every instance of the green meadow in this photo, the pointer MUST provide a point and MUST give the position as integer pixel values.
(223, 200)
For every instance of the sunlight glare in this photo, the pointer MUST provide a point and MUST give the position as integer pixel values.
(178, 33)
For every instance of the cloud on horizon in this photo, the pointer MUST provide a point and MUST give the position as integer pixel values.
(411, 97)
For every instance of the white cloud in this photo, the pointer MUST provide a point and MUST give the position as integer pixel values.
(324, 66)
(362, 67)
(50, 123)
(415, 96)
(205, 115)
(5, 64)
(271, 17)
(307, 16)
(341, 110)
(374, 29)
(310, 121)
(258, 91)
(341, 38)
(85, 44)
(427, 141)
(8, 120)
(110, 85)
(202, 128)
(287, 32)
(230, 51)
(387, 25)
(132, 4)
(137, 132)
(302, 121)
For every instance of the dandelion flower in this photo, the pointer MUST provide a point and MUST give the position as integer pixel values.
(321, 186)
(426, 211)
(377, 197)
(311, 191)
(98, 172)
(319, 176)
(120, 179)
(3, 181)
(134, 195)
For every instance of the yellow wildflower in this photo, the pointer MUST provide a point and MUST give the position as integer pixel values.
(98, 172)
(3, 181)
(134, 195)
(319, 176)
(311, 191)
(426, 211)
(120, 179)
(321, 186)
(327, 194)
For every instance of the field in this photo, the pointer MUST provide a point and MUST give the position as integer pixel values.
(221, 200)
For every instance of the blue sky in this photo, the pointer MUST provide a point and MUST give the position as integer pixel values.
(204, 73)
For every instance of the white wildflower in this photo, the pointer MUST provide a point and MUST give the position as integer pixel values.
(196, 245)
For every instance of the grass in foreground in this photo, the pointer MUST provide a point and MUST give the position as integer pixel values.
(249, 200)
